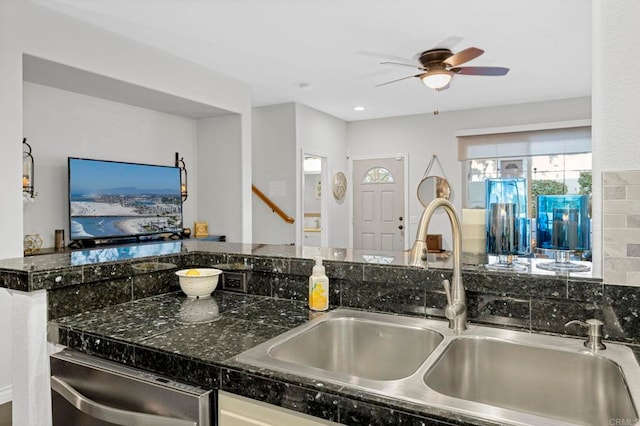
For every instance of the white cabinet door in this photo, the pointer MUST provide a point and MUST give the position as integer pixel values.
(234, 410)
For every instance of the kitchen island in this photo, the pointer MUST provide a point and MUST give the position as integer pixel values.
(124, 304)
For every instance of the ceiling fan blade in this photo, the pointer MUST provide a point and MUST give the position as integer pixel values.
(480, 70)
(449, 42)
(399, 79)
(402, 64)
(463, 56)
(383, 56)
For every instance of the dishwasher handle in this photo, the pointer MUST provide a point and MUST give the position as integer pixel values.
(110, 414)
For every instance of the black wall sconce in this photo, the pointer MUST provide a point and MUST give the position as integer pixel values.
(183, 176)
(27, 168)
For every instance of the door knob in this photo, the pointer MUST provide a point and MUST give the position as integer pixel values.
(400, 227)
(400, 218)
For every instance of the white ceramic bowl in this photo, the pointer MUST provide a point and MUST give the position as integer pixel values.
(199, 285)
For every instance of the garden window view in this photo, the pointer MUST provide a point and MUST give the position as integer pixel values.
(545, 174)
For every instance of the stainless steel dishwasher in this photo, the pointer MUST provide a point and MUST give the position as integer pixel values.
(89, 391)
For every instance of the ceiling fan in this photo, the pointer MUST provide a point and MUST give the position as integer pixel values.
(439, 65)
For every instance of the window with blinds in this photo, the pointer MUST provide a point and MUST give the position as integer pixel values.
(553, 160)
(570, 140)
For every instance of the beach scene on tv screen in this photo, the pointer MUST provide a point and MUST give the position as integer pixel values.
(109, 199)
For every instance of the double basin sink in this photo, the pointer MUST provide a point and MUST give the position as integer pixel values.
(501, 375)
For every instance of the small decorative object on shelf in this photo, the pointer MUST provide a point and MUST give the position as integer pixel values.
(183, 177)
(32, 243)
(201, 229)
(339, 186)
(59, 239)
(507, 223)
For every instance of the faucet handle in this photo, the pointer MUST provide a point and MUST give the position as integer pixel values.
(453, 310)
(594, 333)
(447, 291)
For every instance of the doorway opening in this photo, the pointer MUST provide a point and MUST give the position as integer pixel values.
(314, 200)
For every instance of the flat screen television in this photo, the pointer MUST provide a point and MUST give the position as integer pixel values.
(110, 199)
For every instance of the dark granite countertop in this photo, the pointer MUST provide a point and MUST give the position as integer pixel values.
(196, 341)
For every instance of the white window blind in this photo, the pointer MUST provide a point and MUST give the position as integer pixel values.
(569, 140)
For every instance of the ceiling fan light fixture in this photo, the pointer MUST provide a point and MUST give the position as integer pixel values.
(436, 79)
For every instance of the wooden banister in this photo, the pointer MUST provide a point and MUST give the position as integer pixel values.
(277, 210)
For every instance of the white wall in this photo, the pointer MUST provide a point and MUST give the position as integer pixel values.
(5, 354)
(10, 137)
(60, 124)
(11, 211)
(219, 184)
(424, 135)
(320, 133)
(281, 133)
(274, 160)
(616, 96)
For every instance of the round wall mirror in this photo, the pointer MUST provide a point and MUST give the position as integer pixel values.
(433, 187)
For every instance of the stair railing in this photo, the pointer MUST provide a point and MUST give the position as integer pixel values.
(273, 206)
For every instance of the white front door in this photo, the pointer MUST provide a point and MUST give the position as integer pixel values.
(378, 204)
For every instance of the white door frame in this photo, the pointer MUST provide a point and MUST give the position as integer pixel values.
(326, 188)
(408, 239)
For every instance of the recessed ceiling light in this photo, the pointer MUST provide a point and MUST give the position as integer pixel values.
(359, 108)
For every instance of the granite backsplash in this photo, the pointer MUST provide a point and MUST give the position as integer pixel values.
(515, 300)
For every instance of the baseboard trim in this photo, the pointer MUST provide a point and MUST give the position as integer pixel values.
(6, 394)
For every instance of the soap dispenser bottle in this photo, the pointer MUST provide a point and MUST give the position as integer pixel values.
(318, 288)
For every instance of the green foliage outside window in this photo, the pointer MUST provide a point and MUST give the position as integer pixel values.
(585, 183)
(545, 187)
(585, 186)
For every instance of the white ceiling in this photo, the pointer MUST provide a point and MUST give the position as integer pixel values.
(336, 47)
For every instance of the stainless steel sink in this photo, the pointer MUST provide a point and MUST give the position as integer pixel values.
(575, 387)
(363, 349)
(506, 376)
(360, 347)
